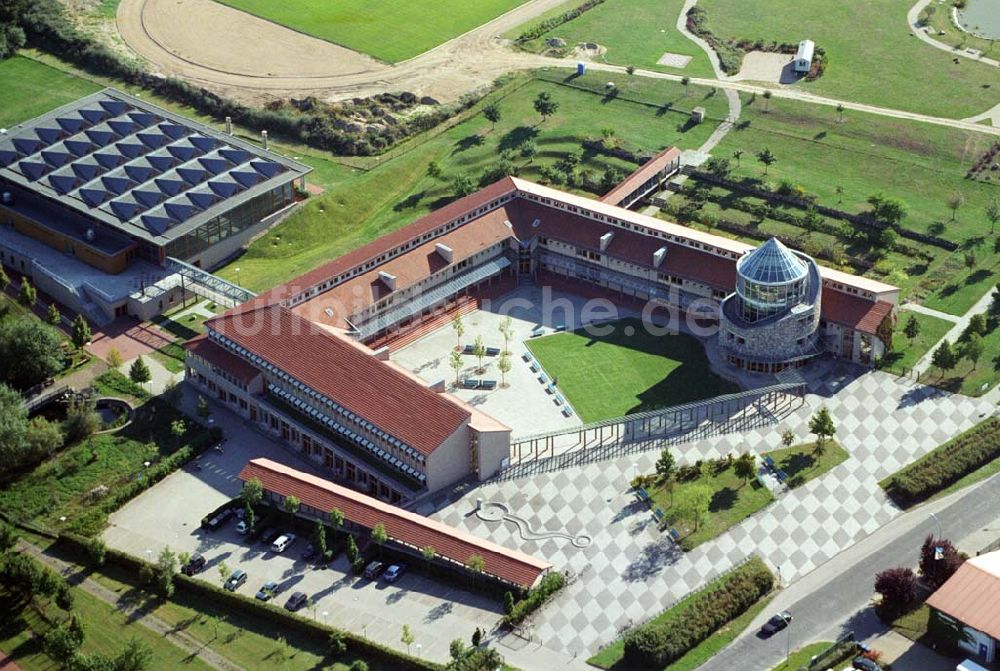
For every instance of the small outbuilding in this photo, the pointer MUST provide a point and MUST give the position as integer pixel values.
(697, 115)
(804, 56)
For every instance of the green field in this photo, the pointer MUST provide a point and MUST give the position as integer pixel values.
(873, 57)
(635, 32)
(628, 370)
(906, 353)
(31, 88)
(920, 164)
(388, 30)
(399, 191)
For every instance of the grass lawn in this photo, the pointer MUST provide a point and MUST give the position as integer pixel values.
(733, 500)
(906, 353)
(106, 632)
(966, 378)
(611, 656)
(873, 57)
(391, 31)
(802, 464)
(635, 32)
(60, 486)
(31, 88)
(801, 657)
(183, 327)
(913, 623)
(620, 374)
(399, 191)
(921, 165)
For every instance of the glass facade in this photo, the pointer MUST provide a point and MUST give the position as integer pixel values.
(770, 280)
(760, 301)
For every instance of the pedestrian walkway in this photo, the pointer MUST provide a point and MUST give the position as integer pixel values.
(917, 307)
(133, 611)
(953, 334)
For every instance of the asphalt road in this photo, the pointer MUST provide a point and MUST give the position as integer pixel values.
(835, 598)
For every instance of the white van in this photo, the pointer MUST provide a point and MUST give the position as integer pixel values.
(282, 542)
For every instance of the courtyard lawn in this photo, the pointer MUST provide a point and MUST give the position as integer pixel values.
(106, 631)
(922, 165)
(873, 57)
(906, 353)
(399, 191)
(913, 623)
(635, 32)
(802, 464)
(31, 88)
(183, 322)
(627, 371)
(391, 31)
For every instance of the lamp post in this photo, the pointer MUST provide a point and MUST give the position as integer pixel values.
(937, 519)
(788, 640)
(238, 276)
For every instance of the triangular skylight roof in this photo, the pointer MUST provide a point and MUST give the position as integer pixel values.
(87, 169)
(772, 263)
(224, 188)
(179, 211)
(184, 151)
(139, 172)
(153, 140)
(79, 147)
(235, 156)
(116, 185)
(123, 127)
(7, 156)
(173, 130)
(206, 144)
(124, 209)
(63, 183)
(215, 166)
(144, 119)
(115, 107)
(192, 175)
(147, 197)
(109, 159)
(93, 116)
(246, 177)
(71, 124)
(267, 168)
(93, 197)
(170, 185)
(162, 161)
(56, 159)
(102, 137)
(50, 135)
(26, 146)
(32, 169)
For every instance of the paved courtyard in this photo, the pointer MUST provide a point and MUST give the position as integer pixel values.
(630, 571)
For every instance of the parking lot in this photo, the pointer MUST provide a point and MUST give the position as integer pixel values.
(169, 515)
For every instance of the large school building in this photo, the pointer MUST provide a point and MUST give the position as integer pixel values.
(309, 360)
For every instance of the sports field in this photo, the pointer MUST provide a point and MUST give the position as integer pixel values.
(388, 30)
(30, 89)
(627, 371)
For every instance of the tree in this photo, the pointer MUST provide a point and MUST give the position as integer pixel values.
(545, 105)
(462, 185)
(821, 425)
(30, 352)
(939, 560)
(504, 366)
(912, 328)
(291, 504)
(319, 539)
(508, 603)
(898, 589)
(224, 571)
(479, 351)
(252, 492)
(135, 656)
(177, 429)
(767, 100)
(693, 503)
(492, 113)
(456, 649)
(455, 361)
(840, 194)
(8, 537)
(955, 201)
(718, 166)
(434, 170)
(407, 638)
(970, 260)
(840, 112)
(81, 418)
(944, 357)
(352, 550)
(993, 214)
(978, 325)
(745, 466)
(80, 332)
(738, 154)
(528, 149)
(787, 437)
(42, 439)
(336, 519)
(475, 563)
(459, 328)
(428, 552)
(685, 82)
(665, 465)
(139, 372)
(336, 644)
(379, 536)
(13, 428)
(27, 296)
(506, 329)
(62, 641)
(767, 158)
(819, 449)
(885, 210)
(202, 407)
(114, 358)
(973, 349)
(55, 318)
(163, 573)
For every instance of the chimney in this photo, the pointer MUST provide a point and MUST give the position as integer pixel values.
(382, 353)
(606, 240)
(388, 278)
(445, 251)
(439, 387)
(229, 125)
(659, 255)
(263, 139)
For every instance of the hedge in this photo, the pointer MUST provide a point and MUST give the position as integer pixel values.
(657, 644)
(946, 464)
(535, 598)
(556, 21)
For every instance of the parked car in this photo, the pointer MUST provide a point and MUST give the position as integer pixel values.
(269, 535)
(394, 572)
(219, 519)
(282, 542)
(296, 601)
(777, 622)
(865, 664)
(195, 564)
(267, 591)
(309, 553)
(238, 577)
(374, 569)
(242, 527)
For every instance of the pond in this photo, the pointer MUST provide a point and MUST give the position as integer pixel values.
(982, 18)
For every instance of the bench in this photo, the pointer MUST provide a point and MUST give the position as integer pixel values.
(769, 462)
(487, 384)
(470, 383)
(659, 516)
(782, 476)
(526, 356)
(543, 378)
(559, 400)
(537, 331)
(534, 367)
(549, 389)
(492, 351)
(642, 493)
(567, 411)
(468, 349)
(675, 535)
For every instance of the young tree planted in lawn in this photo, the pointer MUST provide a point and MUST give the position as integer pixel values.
(944, 357)
(528, 149)
(27, 295)
(692, 505)
(787, 437)
(840, 112)
(973, 349)
(955, 201)
(54, 316)
(745, 466)
(993, 214)
(545, 105)
(291, 504)
(840, 194)
(767, 100)
(665, 465)
(80, 332)
(62, 641)
(939, 559)
(455, 361)
(819, 449)
(379, 536)
(898, 589)
(912, 328)
(479, 351)
(407, 638)
(139, 372)
(686, 83)
(821, 425)
(462, 185)
(885, 210)
(504, 366)
(434, 170)
(766, 158)
(970, 260)
(492, 113)
(737, 155)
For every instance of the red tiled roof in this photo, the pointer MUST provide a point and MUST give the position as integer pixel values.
(346, 374)
(640, 176)
(215, 355)
(859, 313)
(972, 594)
(401, 525)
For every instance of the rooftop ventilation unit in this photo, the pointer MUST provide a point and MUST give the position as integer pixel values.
(536, 223)
(658, 256)
(445, 251)
(606, 240)
(388, 278)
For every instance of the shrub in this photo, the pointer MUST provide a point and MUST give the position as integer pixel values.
(545, 26)
(535, 598)
(657, 644)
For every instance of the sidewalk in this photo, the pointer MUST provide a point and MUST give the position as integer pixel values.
(960, 323)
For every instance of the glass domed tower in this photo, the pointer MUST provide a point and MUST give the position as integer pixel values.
(771, 322)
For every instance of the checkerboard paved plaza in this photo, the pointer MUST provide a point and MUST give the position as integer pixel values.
(631, 571)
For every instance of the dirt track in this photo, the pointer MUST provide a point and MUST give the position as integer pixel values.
(252, 59)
